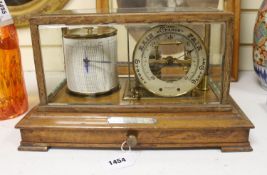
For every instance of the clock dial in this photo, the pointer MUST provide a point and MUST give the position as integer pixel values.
(170, 60)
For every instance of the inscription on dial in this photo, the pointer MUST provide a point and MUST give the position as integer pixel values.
(163, 72)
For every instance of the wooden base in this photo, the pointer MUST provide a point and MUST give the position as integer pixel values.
(242, 147)
(226, 130)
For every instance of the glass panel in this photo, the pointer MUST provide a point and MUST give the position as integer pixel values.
(53, 57)
(217, 53)
(101, 64)
(174, 62)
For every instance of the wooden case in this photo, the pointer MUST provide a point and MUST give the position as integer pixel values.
(181, 123)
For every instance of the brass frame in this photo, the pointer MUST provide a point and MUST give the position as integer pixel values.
(22, 13)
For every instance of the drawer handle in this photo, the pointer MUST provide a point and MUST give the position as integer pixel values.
(131, 142)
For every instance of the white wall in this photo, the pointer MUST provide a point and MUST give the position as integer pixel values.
(248, 17)
(25, 38)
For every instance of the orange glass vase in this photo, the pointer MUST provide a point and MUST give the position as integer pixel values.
(13, 96)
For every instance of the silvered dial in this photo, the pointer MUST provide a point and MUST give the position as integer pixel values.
(170, 60)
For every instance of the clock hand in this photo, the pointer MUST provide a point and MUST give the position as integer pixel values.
(96, 61)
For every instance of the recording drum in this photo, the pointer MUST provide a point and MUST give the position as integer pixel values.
(90, 60)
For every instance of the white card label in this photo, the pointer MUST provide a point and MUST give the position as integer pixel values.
(120, 160)
(4, 13)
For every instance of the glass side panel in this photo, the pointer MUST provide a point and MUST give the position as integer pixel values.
(133, 64)
(53, 57)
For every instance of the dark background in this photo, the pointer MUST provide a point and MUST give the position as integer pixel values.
(16, 2)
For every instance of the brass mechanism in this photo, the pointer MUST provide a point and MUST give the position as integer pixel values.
(204, 84)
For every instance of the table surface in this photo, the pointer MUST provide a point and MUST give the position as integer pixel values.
(247, 93)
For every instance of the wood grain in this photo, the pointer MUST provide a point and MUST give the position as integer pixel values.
(197, 124)
(71, 18)
(102, 6)
(226, 130)
(38, 61)
(235, 7)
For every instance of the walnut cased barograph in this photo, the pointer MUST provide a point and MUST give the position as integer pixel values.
(150, 80)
